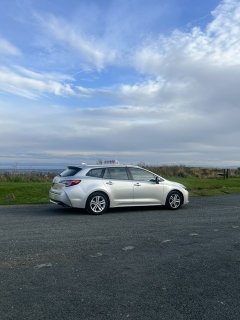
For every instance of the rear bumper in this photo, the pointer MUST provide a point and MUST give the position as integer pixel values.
(59, 198)
(59, 203)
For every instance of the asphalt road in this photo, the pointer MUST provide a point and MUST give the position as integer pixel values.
(144, 263)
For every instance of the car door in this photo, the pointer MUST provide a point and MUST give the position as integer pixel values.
(118, 186)
(146, 190)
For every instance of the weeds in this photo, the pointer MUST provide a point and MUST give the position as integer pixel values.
(164, 171)
(197, 172)
(15, 176)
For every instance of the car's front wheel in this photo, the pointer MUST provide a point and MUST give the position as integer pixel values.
(97, 203)
(174, 200)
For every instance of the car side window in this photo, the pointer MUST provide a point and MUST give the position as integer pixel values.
(141, 175)
(97, 173)
(119, 173)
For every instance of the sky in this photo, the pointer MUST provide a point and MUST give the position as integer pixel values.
(139, 81)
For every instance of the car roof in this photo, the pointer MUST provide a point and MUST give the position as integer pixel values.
(83, 166)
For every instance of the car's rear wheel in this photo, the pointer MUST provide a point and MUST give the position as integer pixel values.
(174, 200)
(97, 203)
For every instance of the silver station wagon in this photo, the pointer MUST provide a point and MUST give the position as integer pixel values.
(99, 187)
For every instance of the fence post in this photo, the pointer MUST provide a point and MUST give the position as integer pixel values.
(226, 173)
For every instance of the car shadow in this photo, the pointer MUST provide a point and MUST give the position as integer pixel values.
(135, 209)
(58, 210)
(123, 210)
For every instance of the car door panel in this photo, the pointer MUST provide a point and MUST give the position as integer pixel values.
(119, 187)
(120, 191)
(146, 192)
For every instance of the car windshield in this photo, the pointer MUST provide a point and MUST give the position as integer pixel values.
(70, 171)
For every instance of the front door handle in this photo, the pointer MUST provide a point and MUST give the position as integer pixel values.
(137, 184)
(109, 182)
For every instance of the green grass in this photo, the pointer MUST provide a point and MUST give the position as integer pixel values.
(209, 186)
(37, 192)
(24, 192)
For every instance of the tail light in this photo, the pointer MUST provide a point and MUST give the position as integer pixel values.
(70, 183)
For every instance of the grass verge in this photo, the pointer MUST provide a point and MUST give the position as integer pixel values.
(209, 186)
(37, 192)
(24, 192)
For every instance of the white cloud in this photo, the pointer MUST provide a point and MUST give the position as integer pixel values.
(90, 92)
(163, 94)
(29, 84)
(218, 45)
(125, 132)
(196, 73)
(91, 51)
(7, 48)
(42, 76)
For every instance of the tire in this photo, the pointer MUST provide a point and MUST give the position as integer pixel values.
(174, 200)
(97, 203)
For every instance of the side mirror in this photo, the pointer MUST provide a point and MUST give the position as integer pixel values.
(157, 180)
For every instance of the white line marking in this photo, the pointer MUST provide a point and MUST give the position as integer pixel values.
(128, 248)
(167, 240)
(98, 254)
(43, 265)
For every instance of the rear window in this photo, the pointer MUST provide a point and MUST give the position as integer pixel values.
(70, 171)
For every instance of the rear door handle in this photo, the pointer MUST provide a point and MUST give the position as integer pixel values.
(137, 184)
(109, 182)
